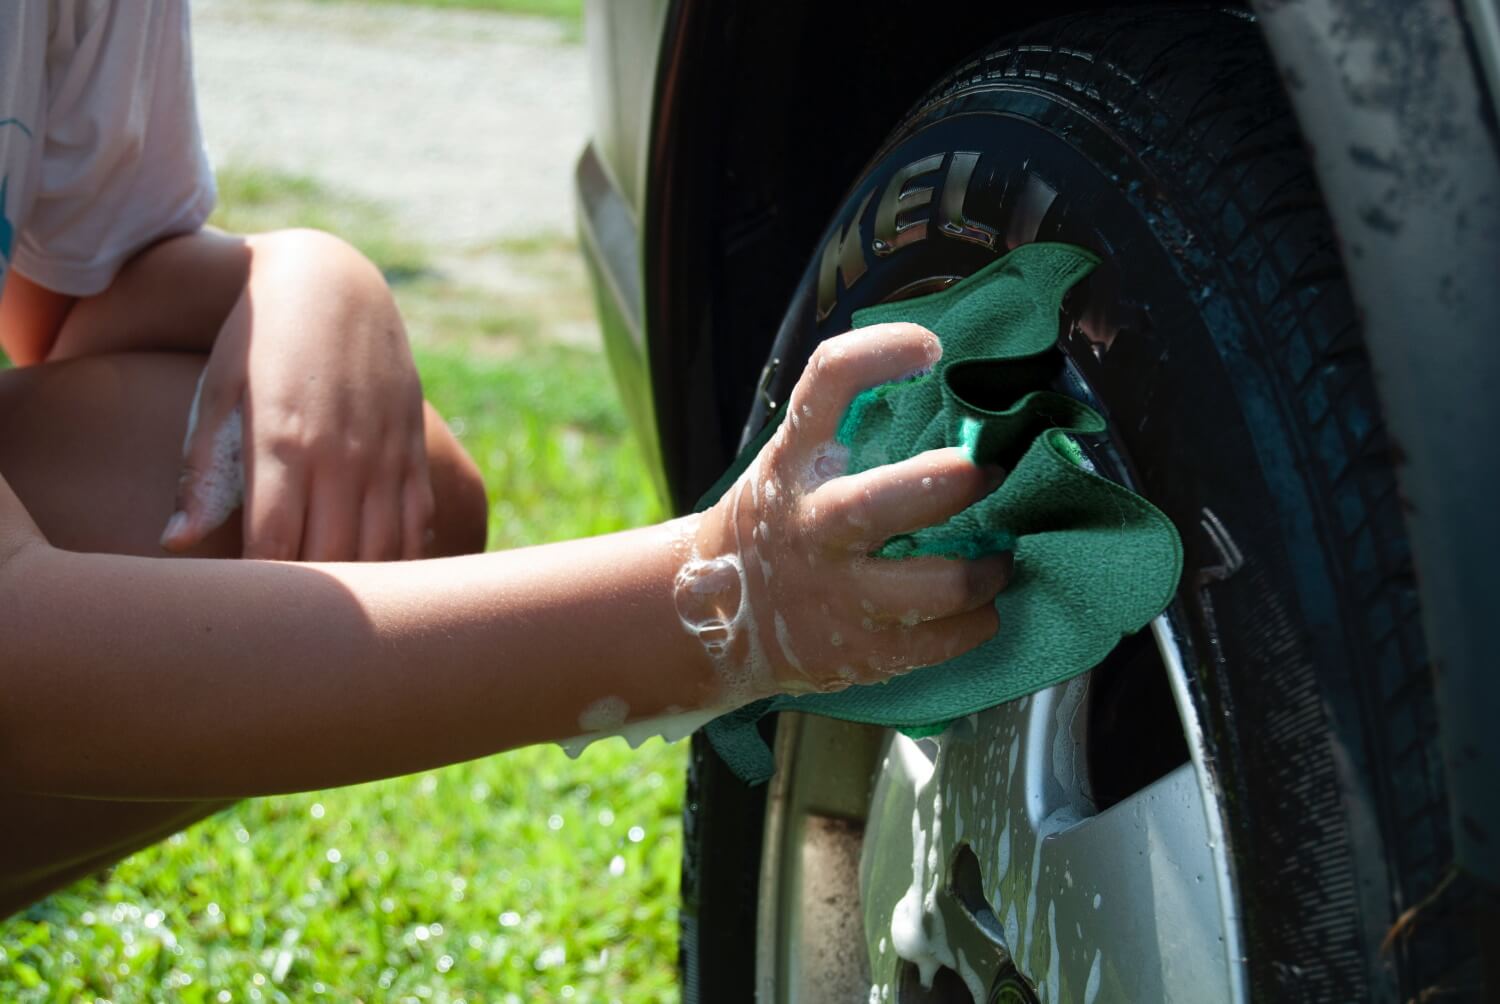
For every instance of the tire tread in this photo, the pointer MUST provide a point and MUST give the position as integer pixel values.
(1223, 128)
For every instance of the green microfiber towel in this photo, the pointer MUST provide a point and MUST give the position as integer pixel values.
(1093, 561)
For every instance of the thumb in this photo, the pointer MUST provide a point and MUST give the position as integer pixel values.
(211, 483)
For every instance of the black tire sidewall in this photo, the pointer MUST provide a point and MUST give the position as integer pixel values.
(1174, 345)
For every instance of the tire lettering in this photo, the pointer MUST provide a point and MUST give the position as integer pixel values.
(845, 253)
(951, 218)
(894, 228)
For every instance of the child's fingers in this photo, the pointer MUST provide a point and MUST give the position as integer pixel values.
(380, 522)
(925, 589)
(937, 641)
(866, 508)
(332, 528)
(275, 507)
(417, 506)
(843, 366)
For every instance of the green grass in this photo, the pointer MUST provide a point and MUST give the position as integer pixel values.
(517, 875)
(567, 11)
(546, 430)
(521, 877)
(252, 200)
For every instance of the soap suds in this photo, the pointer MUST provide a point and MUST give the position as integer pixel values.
(710, 600)
(970, 977)
(605, 714)
(784, 639)
(219, 489)
(1054, 963)
(670, 727)
(1091, 990)
(917, 930)
(831, 460)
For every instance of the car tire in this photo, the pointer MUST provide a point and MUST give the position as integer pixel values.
(1219, 339)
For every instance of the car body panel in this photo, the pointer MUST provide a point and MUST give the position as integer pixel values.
(623, 37)
(1393, 105)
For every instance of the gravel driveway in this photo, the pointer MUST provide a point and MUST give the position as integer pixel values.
(465, 125)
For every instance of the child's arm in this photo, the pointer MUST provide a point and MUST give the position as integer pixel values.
(305, 338)
(137, 678)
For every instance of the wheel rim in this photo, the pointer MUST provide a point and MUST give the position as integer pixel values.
(979, 868)
(1012, 856)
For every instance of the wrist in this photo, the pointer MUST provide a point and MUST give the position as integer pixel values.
(714, 596)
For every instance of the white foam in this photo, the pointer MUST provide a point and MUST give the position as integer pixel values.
(829, 461)
(710, 597)
(604, 715)
(917, 929)
(784, 639)
(970, 977)
(220, 487)
(669, 728)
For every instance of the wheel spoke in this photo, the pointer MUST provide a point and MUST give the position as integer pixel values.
(1126, 899)
(984, 855)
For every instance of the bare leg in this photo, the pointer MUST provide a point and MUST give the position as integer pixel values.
(92, 448)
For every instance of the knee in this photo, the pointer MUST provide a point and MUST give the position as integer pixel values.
(460, 522)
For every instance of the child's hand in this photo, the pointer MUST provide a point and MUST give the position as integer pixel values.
(313, 361)
(779, 585)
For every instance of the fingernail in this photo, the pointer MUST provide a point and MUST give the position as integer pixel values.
(175, 526)
(994, 475)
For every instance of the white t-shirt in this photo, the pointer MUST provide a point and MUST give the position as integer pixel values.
(100, 150)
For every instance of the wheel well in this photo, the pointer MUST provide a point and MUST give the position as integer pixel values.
(765, 114)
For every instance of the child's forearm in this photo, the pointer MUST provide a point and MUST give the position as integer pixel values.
(138, 678)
